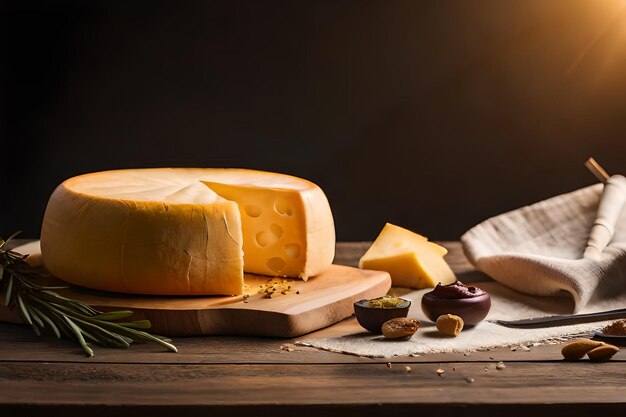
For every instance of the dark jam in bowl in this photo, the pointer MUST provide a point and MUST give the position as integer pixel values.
(456, 291)
(470, 303)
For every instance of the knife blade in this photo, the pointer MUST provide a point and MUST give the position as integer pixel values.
(564, 320)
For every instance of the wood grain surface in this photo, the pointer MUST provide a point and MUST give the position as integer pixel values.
(248, 376)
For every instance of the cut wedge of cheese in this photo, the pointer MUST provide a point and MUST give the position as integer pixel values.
(281, 218)
(182, 231)
(411, 260)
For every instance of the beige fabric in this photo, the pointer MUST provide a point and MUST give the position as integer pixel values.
(539, 250)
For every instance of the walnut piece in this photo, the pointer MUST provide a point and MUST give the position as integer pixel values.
(450, 324)
(617, 328)
(400, 327)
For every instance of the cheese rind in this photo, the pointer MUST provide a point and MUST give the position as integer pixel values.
(164, 231)
(411, 260)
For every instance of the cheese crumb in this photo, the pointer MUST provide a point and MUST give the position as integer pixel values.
(276, 286)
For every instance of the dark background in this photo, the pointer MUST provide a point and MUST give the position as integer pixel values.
(433, 115)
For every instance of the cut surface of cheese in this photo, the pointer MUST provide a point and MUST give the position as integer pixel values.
(411, 260)
(281, 228)
(185, 231)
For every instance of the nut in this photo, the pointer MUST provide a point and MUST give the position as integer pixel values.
(450, 324)
(577, 348)
(400, 327)
(618, 328)
(602, 353)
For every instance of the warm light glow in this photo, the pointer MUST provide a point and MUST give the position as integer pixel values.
(604, 52)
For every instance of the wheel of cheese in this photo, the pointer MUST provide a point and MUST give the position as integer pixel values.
(185, 231)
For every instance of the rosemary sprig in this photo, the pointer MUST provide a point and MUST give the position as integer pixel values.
(41, 306)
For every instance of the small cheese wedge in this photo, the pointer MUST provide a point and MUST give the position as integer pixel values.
(185, 231)
(282, 228)
(411, 260)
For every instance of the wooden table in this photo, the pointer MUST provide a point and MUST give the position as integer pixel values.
(223, 376)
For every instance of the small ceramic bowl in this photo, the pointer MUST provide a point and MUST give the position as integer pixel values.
(372, 318)
(472, 310)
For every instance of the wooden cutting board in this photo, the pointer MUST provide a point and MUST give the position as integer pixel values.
(322, 300)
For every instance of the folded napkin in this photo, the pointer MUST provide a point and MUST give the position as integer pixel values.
(539, 249)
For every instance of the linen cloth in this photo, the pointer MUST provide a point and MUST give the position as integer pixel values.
(538, 250)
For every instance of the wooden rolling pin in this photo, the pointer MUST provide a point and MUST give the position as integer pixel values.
(609, 210)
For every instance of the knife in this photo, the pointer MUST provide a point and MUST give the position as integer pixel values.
(564, 320)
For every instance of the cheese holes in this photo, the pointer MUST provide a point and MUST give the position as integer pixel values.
(276, 230)
(262, 239)
(283, 208)
(292, 250)
(253, 211)
(276, 264)
(269, 237)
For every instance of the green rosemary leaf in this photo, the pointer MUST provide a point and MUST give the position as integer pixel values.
(116, 339)
(114, 315)
(147, 337)
(50, 323)
(86, 334)
(7, 295)
(23, 310)
(4, 242)
(34, 316)
(39, 305)
(37, 323)
(162, 341)
(67, 309)
(108, 338)
(137, 324)
(139, 335)
(79, 336)
(78, 305)
(62, 324)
